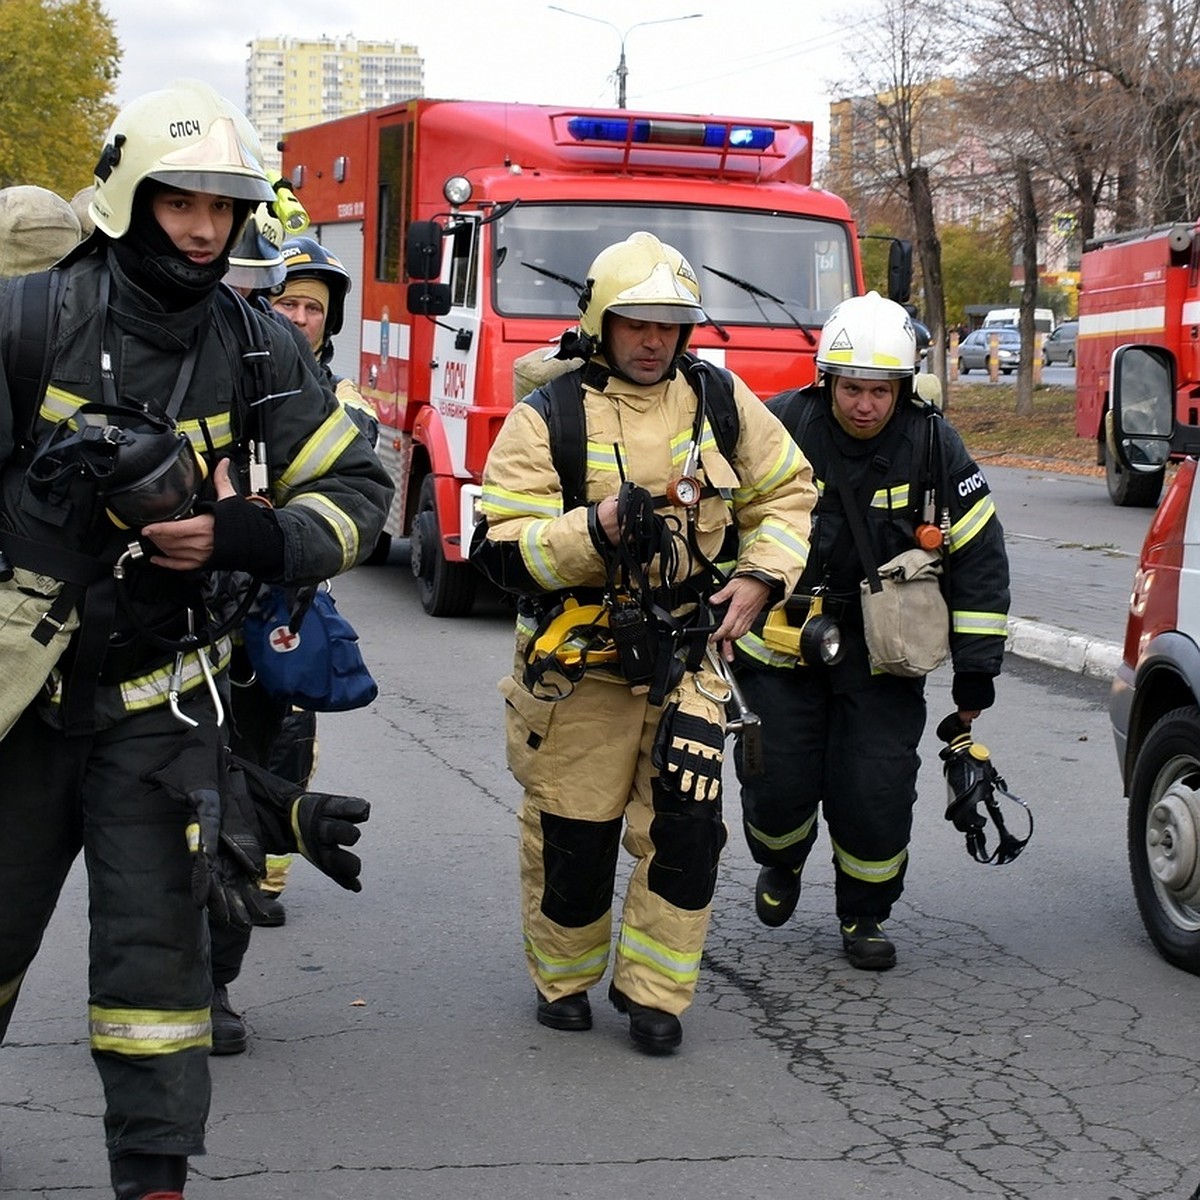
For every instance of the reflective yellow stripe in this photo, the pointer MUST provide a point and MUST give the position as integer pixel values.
(784, 840)
(869, 872)
(589, 963)
(139, 1031)
(776, 533)
(58, 405)
(638, 947)
(220, 431)
(785, 466)
(970, 523)
(9, 990)
(537, 561)
(986, 623)
(754, 647)
(344, 529)
(316, 458)
(496, 502)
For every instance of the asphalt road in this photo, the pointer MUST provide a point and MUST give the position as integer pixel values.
(1029, 1043)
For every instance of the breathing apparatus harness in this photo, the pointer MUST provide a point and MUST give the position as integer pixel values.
(971, 780)
(631, 627)
(142, 469)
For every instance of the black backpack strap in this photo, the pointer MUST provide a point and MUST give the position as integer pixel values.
(560, 403)
(714, 385)
(38, 298)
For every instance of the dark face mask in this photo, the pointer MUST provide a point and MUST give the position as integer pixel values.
(151, 260)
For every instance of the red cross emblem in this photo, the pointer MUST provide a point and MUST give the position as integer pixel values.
(282, 640)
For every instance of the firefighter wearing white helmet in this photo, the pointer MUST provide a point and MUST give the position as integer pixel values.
(607, 496)
(133, 440)
(841, 724)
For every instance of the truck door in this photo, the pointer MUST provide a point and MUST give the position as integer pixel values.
(456, 341)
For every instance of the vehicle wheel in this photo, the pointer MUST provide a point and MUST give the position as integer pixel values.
(1164, 836)
(379, 555)
(1070, 358)
(1006, 370)
(446, 589)
(1130, 489)
(962, 367)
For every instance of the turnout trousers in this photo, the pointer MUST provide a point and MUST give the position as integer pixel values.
(852, 754)
(148, 974)
(585, 764)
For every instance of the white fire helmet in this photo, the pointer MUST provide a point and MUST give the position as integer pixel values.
(868, 337)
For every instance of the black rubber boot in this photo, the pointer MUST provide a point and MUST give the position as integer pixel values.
(867, 947)
(652, 1030)
(228, 1028)
(149, 1176)
(567, 1012)
(775, 894)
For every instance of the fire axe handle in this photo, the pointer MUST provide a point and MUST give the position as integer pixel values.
(739, 719)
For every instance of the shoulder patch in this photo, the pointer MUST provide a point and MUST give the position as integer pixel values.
(970, 484)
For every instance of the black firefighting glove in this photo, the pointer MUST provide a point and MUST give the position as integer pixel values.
(689, 745)
(317, 824)
(227, 858)
(323, 825)
(246, 537)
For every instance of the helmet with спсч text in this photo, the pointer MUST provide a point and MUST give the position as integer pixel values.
(256, 260)
(643, 279)
(868, 337)
(184, 136)
(306, 258)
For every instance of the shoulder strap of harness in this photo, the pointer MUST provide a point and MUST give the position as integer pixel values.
(38, 298)
(561, 404)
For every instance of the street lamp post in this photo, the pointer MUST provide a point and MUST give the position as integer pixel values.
(622, 70)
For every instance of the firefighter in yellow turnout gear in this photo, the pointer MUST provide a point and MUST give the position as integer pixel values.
(618, 727)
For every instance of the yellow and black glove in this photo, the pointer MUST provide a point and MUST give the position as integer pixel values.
(689, 748)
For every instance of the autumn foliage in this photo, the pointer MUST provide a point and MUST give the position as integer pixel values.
(58, 66)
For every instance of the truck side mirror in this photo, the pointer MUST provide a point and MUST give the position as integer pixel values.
(900, 270)
(1142, 391)
(428, 299)
(423, 250)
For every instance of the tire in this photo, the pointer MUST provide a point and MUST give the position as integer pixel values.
(379, 555)
(1130, 489)
(446, 589)
(1070, 359)
(962, 367)
(1164, 836)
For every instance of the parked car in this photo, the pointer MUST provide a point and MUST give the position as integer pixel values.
(1059, 345)
(1155, 700)
(976, 347)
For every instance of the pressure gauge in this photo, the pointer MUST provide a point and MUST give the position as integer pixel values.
(684, 491)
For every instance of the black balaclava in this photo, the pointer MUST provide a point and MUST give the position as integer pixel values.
(148, 256)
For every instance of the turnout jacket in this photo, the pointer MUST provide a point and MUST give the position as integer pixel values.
(642, 434)
(329, 491)
(893, 468)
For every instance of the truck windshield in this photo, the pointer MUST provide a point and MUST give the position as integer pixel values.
(543, 250)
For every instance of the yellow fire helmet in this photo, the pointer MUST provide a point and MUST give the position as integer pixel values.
(643, 279)
(184, 135)
(571, 638)
(868, 337)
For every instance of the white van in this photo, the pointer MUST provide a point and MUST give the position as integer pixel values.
(998, 318)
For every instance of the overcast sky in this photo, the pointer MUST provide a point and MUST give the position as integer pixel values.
(740, 58)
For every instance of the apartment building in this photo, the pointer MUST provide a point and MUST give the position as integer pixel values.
(293, 82)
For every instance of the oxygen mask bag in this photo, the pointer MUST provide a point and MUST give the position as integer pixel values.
(972, 782)
(137, 464)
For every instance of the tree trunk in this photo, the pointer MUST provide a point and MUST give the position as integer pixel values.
(1029, 237)
(929, 250)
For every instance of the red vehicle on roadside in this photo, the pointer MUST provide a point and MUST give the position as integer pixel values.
(521, 198)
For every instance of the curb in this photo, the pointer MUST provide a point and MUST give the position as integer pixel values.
(1063, 648)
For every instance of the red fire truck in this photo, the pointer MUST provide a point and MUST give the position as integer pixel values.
(1139, 289)
(521, 198)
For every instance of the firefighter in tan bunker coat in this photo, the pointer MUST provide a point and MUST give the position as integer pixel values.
(615, 714)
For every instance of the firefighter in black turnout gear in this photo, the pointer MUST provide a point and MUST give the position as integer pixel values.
(133, 432)
(838, 734)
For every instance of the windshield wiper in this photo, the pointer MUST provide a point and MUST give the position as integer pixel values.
(754, 290)
(571, 283)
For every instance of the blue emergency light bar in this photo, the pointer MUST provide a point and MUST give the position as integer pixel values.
(679, 133)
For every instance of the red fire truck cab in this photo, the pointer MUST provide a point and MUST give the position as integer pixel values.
(522, 198)
(1139, 289)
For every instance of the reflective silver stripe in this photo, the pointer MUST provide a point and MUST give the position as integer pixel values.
(537, 561)
(9, 990)
(343, 528)
(148, 1031)
(869, 872)
(496, 502)
(985, 623)
(317, 456)
(591, 962)
(784, 840)
(970, 523)
(638, 946)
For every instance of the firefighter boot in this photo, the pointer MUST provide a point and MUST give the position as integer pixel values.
(776, 893)
(271, 913)
(867, 947)
(228, 1028)
(652, 1030)
(567, 1012)
(149, 1176)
